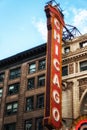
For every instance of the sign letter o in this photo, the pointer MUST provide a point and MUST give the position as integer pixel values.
(56, 96)
(56, 114)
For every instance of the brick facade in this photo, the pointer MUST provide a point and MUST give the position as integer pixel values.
(74, 86)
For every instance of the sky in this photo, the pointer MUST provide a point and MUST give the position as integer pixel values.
(23, 23)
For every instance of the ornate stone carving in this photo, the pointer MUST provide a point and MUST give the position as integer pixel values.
(66, 85)
(71, 68)
(82, 86)
(76, 67)
(82, 81)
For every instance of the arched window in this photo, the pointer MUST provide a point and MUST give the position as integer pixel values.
(83, 108)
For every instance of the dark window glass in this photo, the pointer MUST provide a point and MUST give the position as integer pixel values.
(32, 68)
(83, 44)
(40, 101)
(29, 103)
(11, 108)
(41, 80)
(42, 64)
(31, 83)
(39, 123)
(67, 49)
(83, 66)
(13, 89)
(64, 70)
(2, 77)
(15, 73)
(10, 126)
(1, 91)
(28, 124)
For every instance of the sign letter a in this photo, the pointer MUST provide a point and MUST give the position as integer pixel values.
(56, 80)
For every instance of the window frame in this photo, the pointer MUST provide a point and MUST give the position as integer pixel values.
(32, 83)
(2, 76)
(67, 49)
(12, 110)
(32, 69)
(16, 73)
(41, 80)
(42, 64)
(1, 93)
(39, 121)
(30, 121)
(83, 68)
(38, 104)
(66, 71)
(11, 127)
(15, 85)
(83, 44)
(30, 107)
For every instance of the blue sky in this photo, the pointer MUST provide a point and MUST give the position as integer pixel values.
(23, 23)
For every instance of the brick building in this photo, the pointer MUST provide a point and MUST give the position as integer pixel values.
(22, 86)
(22, 89)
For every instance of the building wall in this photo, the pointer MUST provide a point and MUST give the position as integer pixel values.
(74, 82)
(74, 86)
(22, 114)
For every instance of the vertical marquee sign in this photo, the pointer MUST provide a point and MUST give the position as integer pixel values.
(53, 108)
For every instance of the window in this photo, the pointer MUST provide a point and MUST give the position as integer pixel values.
(32, 68)
(11, 108)
(1, 77)
(41, 80)
(40, 101)
(64, 70)
(13, 89)
(28, 124)
(29, 103)
(39, 123)
(83, 65)
(42, 64)
(10, 126)
(15, 73)
(31, 84)
(67, 49)
(83, 108)
(1, 91)
(83, 44)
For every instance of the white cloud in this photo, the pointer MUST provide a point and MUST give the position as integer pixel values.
(75, 17)
(80, 19)
(66, 13)
(41, 27)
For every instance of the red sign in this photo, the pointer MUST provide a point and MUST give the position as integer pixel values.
(53, 78)
(55, 85)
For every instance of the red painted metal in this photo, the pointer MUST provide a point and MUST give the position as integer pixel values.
(53, 108)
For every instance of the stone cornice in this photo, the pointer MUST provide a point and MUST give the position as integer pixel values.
(79, 39)
(24, 56)
(73, 55)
